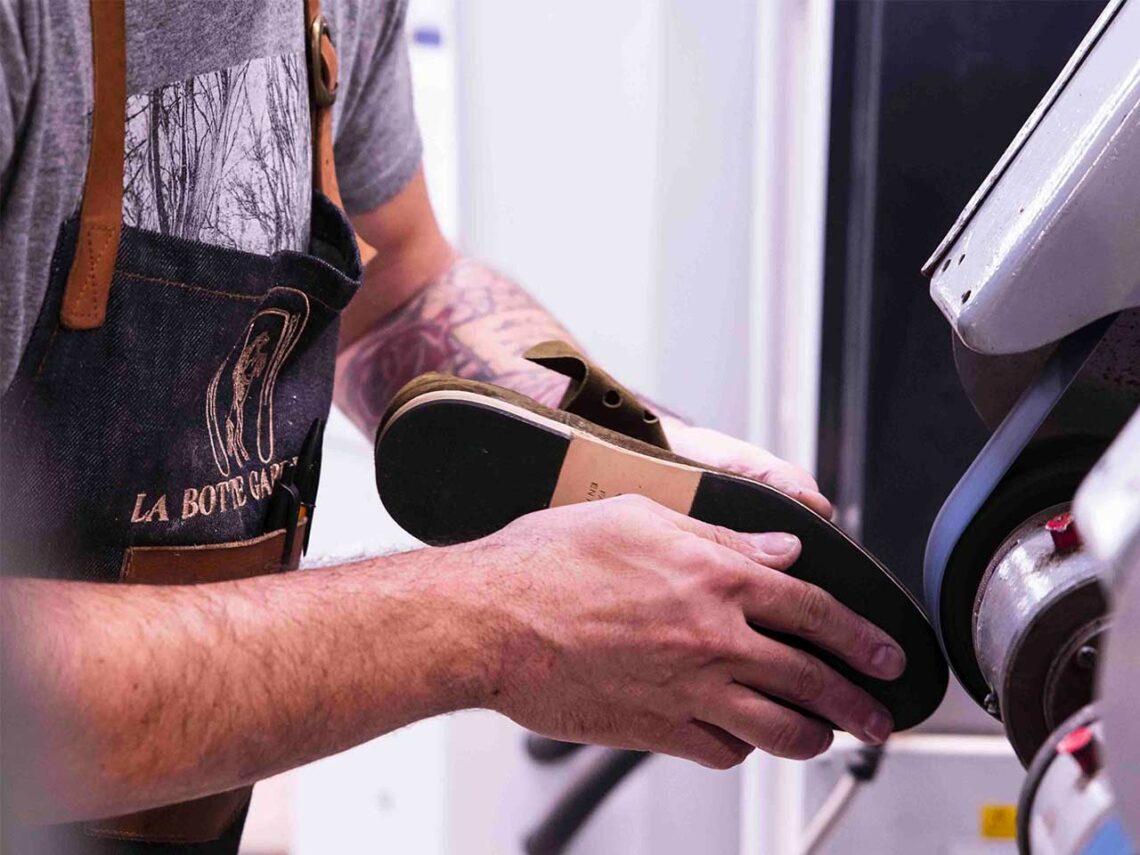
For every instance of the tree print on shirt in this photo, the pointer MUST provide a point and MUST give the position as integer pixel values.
(224, 157)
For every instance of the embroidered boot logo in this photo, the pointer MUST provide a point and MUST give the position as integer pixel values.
(239, 420)
(240, 399)
(248, 368)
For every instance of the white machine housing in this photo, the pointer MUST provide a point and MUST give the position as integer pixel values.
(1107, 509)
(1051, 240)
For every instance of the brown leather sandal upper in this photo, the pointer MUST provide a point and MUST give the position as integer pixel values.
(596, 396)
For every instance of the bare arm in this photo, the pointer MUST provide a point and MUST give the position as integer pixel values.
(122, 697)
(118, 697)
(425, 308)
(470, 321)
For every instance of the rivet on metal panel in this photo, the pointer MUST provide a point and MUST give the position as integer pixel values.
(1086, 657)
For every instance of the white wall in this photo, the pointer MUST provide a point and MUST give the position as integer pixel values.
(705, 137)
(558, 111)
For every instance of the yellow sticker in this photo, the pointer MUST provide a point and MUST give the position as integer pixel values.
(999, 822)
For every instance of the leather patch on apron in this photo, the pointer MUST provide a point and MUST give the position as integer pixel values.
(214, 562)
(197, 821)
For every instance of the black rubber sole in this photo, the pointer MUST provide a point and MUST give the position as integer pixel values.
(451, 469)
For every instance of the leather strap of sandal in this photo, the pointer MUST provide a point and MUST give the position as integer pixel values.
(596, 396)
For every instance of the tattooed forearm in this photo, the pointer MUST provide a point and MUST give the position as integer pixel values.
(472, 322)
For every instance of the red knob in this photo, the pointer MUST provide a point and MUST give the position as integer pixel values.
(1064, 532)
(1081, 746)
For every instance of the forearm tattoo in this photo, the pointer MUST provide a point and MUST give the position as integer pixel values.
(471, 322)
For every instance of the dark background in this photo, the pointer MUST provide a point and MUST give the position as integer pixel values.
(925, 98)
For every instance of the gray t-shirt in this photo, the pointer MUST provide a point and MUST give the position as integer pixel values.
(217, 137)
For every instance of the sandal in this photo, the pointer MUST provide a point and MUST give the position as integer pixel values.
(459, 459)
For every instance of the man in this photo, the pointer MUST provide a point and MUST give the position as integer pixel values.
(616, 622)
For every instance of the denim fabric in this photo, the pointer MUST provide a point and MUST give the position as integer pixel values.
(72, 840)
(169, 424)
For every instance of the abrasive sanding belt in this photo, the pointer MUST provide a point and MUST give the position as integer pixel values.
(999, 454)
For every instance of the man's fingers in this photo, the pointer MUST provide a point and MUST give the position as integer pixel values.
(784, 672)
(803, 494)
(742, 458)
(708, 745)
(779, 602)
(762, 722)
(775, 549)
(791, 480)
(800, 485)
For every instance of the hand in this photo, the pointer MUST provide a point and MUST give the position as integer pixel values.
(622, 623)
(714, 448)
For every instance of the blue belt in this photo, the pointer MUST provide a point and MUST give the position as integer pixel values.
(999, 454)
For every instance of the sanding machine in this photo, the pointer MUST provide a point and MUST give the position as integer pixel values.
(1035, 597)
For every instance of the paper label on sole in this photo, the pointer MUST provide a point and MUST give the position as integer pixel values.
(593, 470)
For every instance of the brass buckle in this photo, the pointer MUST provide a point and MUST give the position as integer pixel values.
(324, 90)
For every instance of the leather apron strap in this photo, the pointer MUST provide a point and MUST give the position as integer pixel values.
(84, 304)
(322, 94)
(100, 219)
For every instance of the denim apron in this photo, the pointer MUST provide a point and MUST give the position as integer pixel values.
(165, 395)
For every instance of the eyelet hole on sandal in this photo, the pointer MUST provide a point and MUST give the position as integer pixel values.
(612, 399)
(649, 417)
